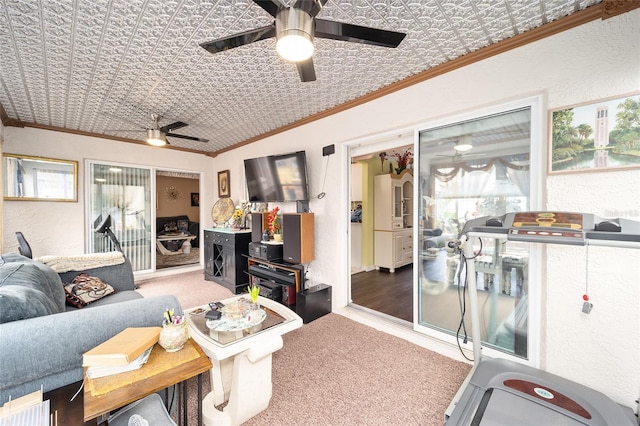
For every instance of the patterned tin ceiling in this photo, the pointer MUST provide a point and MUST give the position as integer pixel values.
(104, 66)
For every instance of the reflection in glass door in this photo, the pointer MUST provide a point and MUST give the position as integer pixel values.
(473, 169)
(125, 194)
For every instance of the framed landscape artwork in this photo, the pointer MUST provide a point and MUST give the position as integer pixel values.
(602, 135)
(223, 184)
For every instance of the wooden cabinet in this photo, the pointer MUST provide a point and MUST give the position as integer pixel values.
(393, 201)
(225, 258)
(393, 249)
(393, 220)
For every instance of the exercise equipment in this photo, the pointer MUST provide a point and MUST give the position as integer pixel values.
(23, 246)
(104, 228)
(502, 392)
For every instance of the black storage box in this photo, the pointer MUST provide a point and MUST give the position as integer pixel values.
(313, 302)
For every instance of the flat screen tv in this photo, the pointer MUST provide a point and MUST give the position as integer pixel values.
(277, 178)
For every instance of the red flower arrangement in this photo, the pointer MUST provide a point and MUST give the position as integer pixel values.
(273, 222)
(403, 160)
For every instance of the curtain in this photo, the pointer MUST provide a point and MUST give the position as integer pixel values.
(125, 194)
(468, 180)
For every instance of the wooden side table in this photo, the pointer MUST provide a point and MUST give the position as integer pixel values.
(163, 369)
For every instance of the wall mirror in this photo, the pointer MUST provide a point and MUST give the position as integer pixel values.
(39, 179)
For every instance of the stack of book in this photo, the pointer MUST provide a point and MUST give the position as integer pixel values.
(126, 351)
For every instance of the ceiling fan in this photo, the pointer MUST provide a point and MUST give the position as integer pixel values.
(157, 135)
(295, 27)
(461, 148)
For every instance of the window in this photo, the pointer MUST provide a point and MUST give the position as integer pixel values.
(475, 168)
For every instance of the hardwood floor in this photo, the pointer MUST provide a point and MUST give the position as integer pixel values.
(381, 291)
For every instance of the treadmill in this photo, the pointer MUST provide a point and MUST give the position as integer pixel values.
(503, 392)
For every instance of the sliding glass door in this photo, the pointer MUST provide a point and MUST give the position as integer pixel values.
(474, 168)
(124, 193)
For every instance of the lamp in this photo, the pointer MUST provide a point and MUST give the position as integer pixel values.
(464, 145)
(294, 34)
(156, 137)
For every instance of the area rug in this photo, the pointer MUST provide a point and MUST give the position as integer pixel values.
(181, 259)
(335, 371)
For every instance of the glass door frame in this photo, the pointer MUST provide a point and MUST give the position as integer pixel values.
(89, 231)
(538, 156)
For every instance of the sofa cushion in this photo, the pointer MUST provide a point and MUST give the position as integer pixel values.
(85, 289)
(169, 223)
(28, 289)
(183, 225)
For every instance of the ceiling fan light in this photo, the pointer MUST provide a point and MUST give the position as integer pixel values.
(294, 32)
(294, 47)
(156, 137)
(463, 147)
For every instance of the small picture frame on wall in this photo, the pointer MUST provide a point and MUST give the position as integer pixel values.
(223, 184)
(195, 199)
(596, 136)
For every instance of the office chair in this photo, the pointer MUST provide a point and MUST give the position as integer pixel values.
(24, 247)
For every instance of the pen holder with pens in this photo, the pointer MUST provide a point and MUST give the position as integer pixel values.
(174, 335)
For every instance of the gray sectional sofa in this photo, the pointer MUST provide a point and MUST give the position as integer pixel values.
(42, 339)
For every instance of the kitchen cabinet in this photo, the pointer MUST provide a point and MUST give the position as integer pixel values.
(393, 249)
(393, 220)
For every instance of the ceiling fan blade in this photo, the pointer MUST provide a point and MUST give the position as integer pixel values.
(271, 6)
(312, 7)
(173, 126)
(191, 138)
(357, 34)
(306, 70)
(236, 40)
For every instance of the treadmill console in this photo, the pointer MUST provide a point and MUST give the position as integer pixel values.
(556, 227)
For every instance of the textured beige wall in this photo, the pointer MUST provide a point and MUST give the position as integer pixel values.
(42, 221)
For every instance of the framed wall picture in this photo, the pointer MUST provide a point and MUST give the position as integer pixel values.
(223, 184)
(195, 199)
(597, 136)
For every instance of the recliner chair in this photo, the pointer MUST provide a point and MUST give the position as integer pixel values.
(24, 247)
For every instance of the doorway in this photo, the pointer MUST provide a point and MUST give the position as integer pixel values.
(381, 185)
(177, 219)
(125, 193)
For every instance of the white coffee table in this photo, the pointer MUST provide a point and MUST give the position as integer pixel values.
(185, 248)
(241, 361)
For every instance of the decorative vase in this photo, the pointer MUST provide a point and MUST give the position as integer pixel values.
(174, 336)
(277, 238)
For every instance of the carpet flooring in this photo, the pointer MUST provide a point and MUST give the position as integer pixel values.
(335, 371)
(190, 288)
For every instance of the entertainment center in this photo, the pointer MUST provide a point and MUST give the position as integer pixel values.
(237, 258)
(225, 257)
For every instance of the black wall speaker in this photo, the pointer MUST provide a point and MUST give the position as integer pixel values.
(258, 224)
(298, 237)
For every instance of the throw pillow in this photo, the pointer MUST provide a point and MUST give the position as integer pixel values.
(85, 289)
(170, 227)
(183, 225)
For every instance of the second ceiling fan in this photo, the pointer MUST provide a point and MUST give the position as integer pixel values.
(295, 28)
